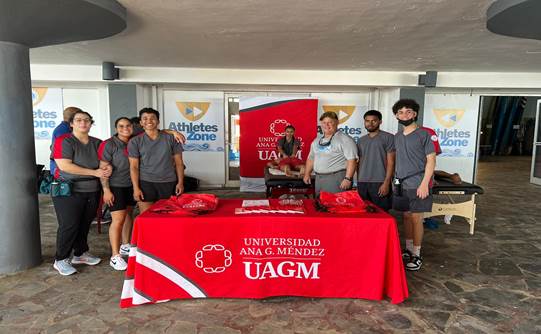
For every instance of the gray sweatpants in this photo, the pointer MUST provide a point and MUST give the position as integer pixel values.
(330, 182)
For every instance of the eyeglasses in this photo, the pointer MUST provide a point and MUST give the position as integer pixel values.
(327, 143)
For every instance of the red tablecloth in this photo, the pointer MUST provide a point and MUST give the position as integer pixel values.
(256, 256)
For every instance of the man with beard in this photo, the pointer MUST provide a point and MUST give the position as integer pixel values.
(376, 162)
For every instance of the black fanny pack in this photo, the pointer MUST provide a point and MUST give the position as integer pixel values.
(397, 182)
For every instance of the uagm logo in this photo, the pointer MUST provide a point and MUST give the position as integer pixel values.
(193, 111)
(213, 259)
(341, 200)
(343, 112)
(38, 93)
(278, 127)
(448, 117)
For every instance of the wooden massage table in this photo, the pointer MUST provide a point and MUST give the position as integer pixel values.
(451, 191)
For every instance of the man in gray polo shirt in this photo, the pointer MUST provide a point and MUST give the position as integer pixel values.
(156, 166)
(333, 157)
(376, 162)
(415, 163)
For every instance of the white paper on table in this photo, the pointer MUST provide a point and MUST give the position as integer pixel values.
(257, 202)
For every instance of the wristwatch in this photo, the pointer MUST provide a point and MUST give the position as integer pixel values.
(350, 179)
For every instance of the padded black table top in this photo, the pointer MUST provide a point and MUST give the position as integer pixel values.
(443, 187)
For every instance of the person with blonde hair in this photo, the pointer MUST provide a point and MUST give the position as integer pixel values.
(333, 157)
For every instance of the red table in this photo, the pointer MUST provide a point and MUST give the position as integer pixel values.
(223, 255)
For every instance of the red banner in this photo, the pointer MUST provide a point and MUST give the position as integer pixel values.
(221, 254)
(262, 123)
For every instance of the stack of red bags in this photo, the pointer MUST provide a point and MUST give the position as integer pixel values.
(186, 204)
(344, 202)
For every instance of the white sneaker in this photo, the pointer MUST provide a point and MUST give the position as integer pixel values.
(118, 263)
(86, 258)
(64, 267)
(125, 249)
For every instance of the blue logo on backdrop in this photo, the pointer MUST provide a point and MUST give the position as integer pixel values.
(44, 123)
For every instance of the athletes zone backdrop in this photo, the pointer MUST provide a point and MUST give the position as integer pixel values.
(47, 108)
(200, 117)
(455, 118)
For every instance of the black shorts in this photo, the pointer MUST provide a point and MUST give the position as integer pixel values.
(154, 191)
(123, 198)
(369, 191)
(410, 202)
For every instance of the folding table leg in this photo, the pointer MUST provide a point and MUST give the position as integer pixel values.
(472, 220)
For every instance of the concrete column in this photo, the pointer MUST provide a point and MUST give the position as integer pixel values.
(122, 102)
(20, 244)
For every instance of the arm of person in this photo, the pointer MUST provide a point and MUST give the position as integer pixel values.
(179, 168)
(281, 153)
(179, 137)
(295, 150)
(108, 197)
(68, 166)
(308, 171)
(134, 175)
(386, 185)
(350, 170)
(423, 191)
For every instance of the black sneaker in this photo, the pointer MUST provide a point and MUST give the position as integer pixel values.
(406, 256)
(415, 263)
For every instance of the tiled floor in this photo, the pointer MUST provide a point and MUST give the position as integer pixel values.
(486, 283)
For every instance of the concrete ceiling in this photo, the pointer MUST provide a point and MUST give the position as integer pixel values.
(95, 19)
(398, 35)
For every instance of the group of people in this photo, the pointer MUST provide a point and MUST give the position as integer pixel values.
(125, 168)
(393, 171)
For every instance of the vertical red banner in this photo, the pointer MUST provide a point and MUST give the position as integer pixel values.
(262, 123)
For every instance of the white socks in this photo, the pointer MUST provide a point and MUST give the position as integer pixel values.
(409, 245)
(415, 250)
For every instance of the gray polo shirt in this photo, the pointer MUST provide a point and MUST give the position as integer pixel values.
(373, 156)
(286, 146)
(334, 157)
(69, 147)
(155, 156)
(411, 152)
(115, 152)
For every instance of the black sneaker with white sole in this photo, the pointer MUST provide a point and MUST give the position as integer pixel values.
(415, 263)
(406, 255)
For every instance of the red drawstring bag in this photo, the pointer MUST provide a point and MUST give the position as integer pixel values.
(344, 202)
(186, 204)
(197, 202)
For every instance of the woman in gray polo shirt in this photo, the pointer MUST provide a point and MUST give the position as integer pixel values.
(76, 157)
(333, 157)
(118, 189)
